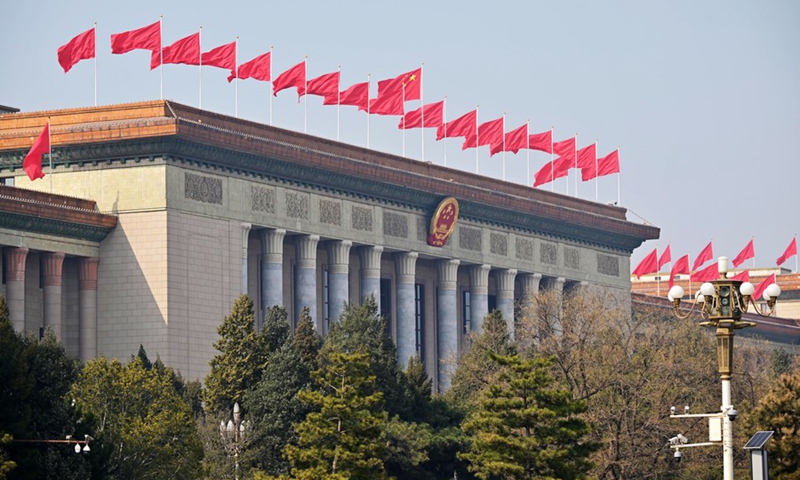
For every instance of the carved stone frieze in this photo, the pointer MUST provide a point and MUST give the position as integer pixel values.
(548, 253)
(524, 248)
(263, 199)
(608, 265)
(203, 189)
(395, 225)
(498, 244)
(330, 212)
(297, 205)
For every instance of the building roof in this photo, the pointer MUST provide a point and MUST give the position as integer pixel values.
(785, 331)
(31, 211)
(185, 134)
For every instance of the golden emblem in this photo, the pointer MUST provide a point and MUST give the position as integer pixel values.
(443, 222)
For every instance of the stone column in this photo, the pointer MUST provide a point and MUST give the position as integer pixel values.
(87, 309)
(371, 273)
(338, 277)
(406, 264)
(245, 240)
(505, 297)
(305, 286)
(15, 285)
(271, 268)
(530, 287)
(447, 321)
(478, 296)
(51, 264)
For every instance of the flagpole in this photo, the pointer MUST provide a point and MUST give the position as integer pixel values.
(618, 174)
(403, 134)
(236, 86)
(368, 79)
(95, 64)
(338, 104)
(160, 55)
(528, 148)
(422, 114)
(305, 98)
(477, 139)
(50, 149)
(200, 67)
(576, 166)
(270, 84)
(552, 167)
(596, 188)
(504, 146)
(444, 128)
(658, 276)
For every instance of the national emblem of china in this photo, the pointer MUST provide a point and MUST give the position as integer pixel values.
(443, 222)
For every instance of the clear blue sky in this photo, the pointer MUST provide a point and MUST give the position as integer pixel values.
(703, 97)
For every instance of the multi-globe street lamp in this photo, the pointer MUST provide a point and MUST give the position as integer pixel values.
(233, 435)
(721, 304)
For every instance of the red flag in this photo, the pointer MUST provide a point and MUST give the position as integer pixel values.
(257, 69)
(790, 251)
(587, 156)
(566, 149)
(33, 160)
(389, 101)
(706, 255)
(489, 133)
(556, 169)
(648, 265)
(357, 95)
(680, 266)
(146, 38)
(744, 276)
(294, 77)
(81, 47)
(516, 140)
(185, 51)
(758, 293)
(223, 56)
(665, 258)
(432, 113)
(542, 141)
(410, 83)
(745, 254)
(463, 126)
(325, 85)
(608, 164)
(707, 274)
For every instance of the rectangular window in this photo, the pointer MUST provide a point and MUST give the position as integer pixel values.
(466, 307)
(386, 303)
(492, 303)
(326, 307)
(419, 319)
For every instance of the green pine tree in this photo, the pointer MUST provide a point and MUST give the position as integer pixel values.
(274, 409)
(341, 438)
(361, 328)
(476, 370)
(242, 356)
(524, 428)
(306, 339)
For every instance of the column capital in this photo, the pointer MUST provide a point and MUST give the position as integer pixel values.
(371, 257)
(272, 244)
(245, 237)
(15, 263)
(479, 278)
(306, 250)
(530, 283)
(87, 273)
(406, 265)
(52, 263)
(448, 273)
(505, 280)
(339, 255)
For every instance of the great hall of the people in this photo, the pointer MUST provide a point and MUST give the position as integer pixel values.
(161, 215)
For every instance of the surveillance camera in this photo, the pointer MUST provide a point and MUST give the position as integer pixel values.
(678, 455)
(672, 410)
(686, 410)
(732, 413)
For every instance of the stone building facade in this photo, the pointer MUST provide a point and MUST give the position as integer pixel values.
(208, 207)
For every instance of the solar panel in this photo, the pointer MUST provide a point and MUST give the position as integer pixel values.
(758, 440)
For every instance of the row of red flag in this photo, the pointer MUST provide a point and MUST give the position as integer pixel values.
(653, 263)
(391, 98)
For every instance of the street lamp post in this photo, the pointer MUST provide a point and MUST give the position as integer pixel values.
(233, 434)
(722, 303)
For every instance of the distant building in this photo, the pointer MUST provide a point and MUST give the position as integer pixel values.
(186, 209)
